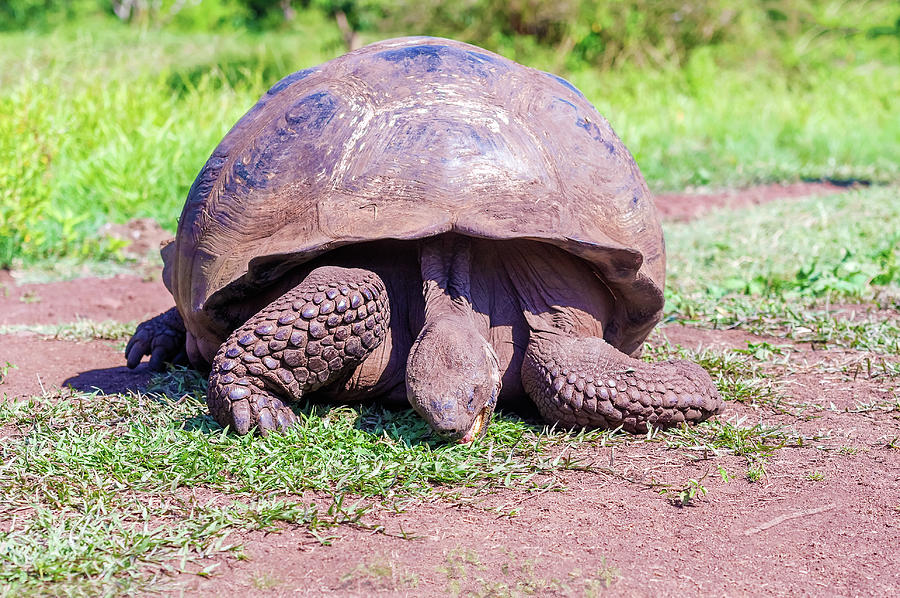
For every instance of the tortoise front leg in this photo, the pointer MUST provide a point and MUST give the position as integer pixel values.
(585, 382)
(312, 336)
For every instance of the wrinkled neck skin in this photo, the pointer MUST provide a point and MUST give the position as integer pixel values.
(443, 305)
(446, 263)
(452, 375)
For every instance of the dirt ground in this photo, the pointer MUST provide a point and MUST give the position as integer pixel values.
(685, 206)
(824, 520)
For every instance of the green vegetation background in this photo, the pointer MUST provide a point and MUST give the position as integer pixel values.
(108, 108)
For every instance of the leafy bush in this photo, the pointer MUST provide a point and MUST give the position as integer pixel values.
(649, 31)
(197, 15)
(610, 33)
(579, 33)
(21, 14)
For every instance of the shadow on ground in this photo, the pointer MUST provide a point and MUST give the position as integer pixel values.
(111, 380)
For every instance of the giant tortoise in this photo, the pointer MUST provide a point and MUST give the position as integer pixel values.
(423, 220)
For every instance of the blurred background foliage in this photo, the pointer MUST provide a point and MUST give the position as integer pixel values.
(582, 32)
(108, 108)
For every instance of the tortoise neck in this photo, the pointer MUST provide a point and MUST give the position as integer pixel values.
(446, 263)
(453, 376)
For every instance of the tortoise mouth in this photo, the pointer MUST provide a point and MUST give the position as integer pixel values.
(479, 426)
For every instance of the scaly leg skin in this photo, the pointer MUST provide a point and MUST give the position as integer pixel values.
(162, 338)
(585, 382)
(312, 336)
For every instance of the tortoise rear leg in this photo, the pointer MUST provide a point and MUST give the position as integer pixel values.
(312, 336)
(162, 338)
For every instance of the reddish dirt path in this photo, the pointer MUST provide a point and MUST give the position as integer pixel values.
(121, 298)
(685, 206)
(823, 521)
(785, 536)
(45, 363)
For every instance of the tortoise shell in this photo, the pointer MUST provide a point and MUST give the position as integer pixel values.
(409, 138)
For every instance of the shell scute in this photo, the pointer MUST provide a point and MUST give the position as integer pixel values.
(287, 81)
(424, 57)
(443, 60)
(565, 83)
(313, 111)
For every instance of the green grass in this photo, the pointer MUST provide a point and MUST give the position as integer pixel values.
(99, 490)
(140, 114)
(710, 125)
(839, 246)
(80, 330)
(335, 449)
(781, 268)
(103, 123)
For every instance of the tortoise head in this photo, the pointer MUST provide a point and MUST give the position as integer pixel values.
(453, 379)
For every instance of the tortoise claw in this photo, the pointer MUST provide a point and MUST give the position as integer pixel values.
(240, 417)
(162, 338)
(243, 406)
(286, 419)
